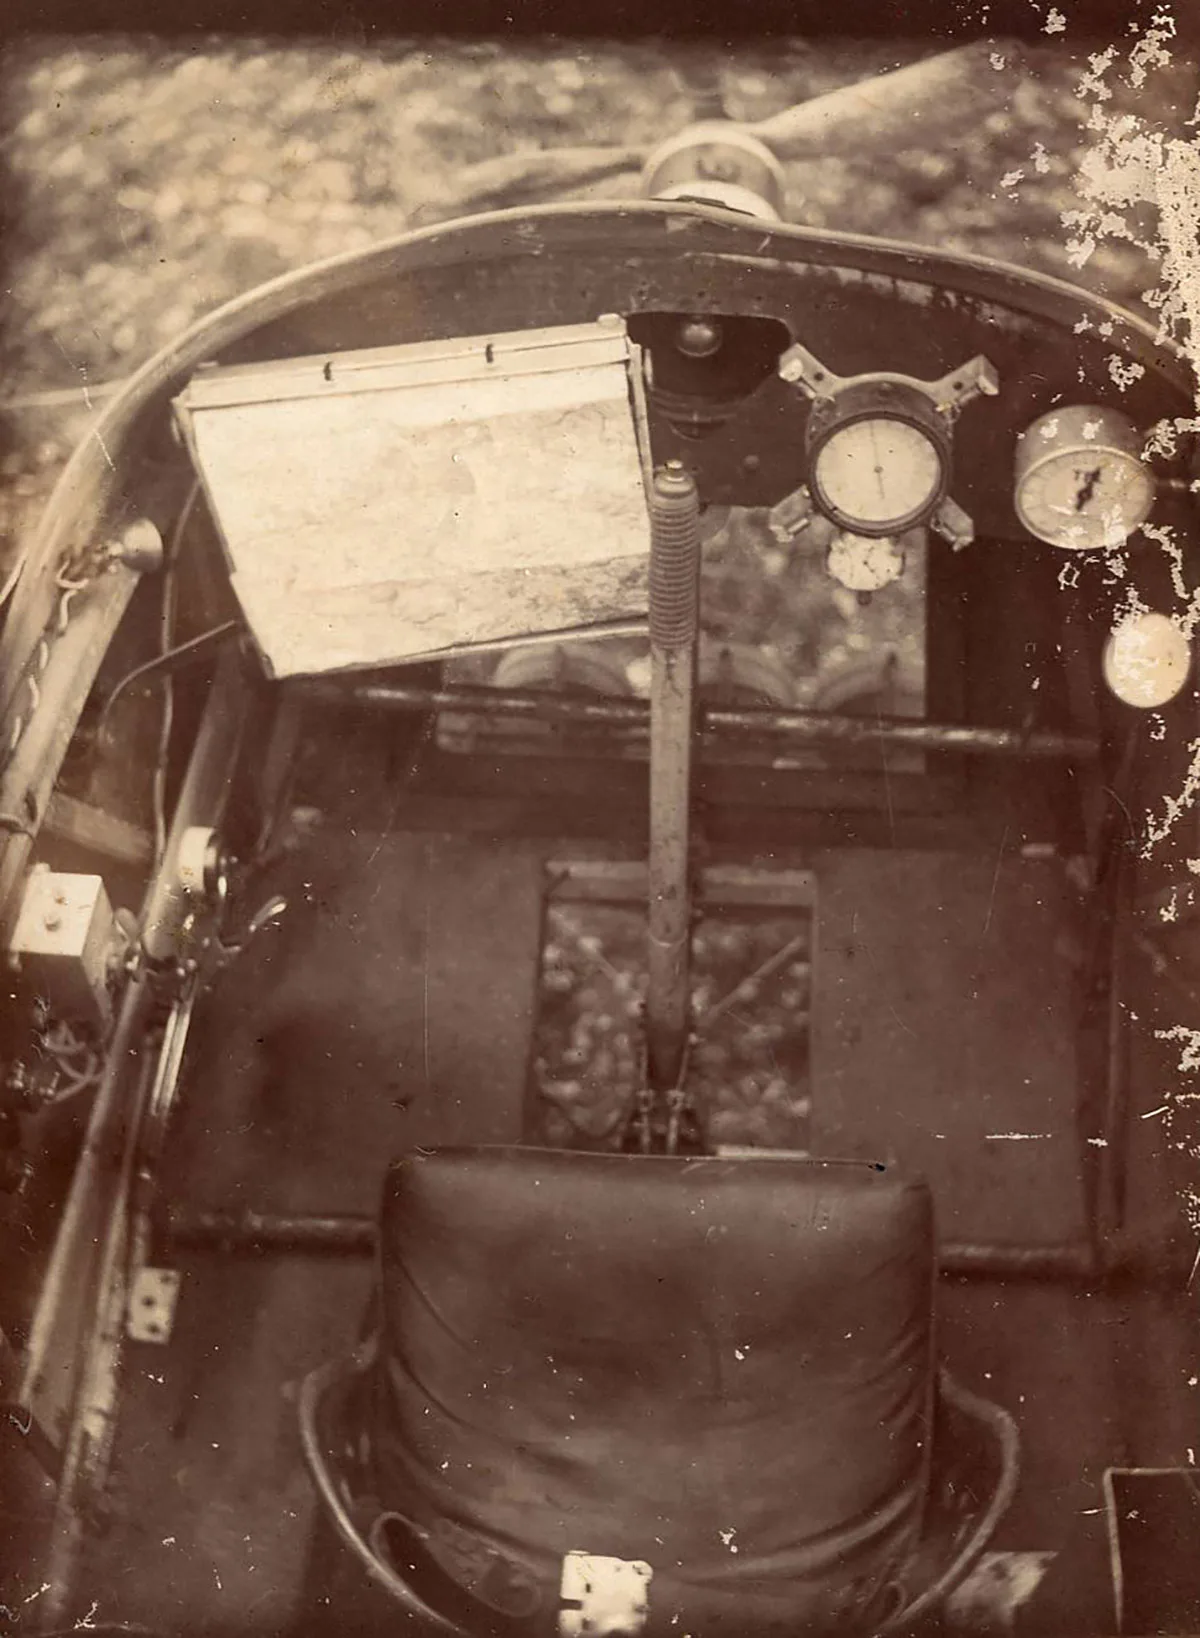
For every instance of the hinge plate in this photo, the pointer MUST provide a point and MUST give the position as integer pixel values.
(150, 1314)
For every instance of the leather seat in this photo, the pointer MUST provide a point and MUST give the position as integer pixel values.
(721, 1368)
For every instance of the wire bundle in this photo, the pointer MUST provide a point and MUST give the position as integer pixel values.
(77, 1063)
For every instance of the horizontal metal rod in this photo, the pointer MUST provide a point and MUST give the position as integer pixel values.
(253, 1231)
(794, 727)
(1069, 1262)
(352, 1235)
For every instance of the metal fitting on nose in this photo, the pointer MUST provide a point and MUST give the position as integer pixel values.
(717, 162)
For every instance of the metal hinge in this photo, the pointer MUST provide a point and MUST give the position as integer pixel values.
(603, 1597)
(150, 1314)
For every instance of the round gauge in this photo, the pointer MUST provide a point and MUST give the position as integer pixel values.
(878, 458)
(1080, 481)
(1147, 660)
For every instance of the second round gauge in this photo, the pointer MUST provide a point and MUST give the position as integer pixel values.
(877, 474)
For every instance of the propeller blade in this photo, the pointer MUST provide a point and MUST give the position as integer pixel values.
(931, 101)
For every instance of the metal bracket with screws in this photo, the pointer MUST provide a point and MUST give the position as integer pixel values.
(150, 1314)
(974, 379)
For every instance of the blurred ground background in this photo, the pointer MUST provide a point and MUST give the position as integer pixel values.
(147, 182)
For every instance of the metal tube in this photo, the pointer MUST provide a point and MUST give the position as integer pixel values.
(254, 1231)
(159, 1103)
(203, 798)
(84, 1295)
(56, 1352)
(674, 632)
(1113, 1158)
(528, 703)
(817, 728)
(92, 1426)
(1068, 1262)
(241, 1231)
(797, 728)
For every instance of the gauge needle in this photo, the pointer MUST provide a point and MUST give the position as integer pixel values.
(876, 457)
(1087, 487)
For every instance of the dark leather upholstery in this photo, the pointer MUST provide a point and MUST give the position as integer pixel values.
(723, 1367)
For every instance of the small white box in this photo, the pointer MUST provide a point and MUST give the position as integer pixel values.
(63, 942)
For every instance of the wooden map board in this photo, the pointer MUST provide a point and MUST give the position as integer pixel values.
(392, 505)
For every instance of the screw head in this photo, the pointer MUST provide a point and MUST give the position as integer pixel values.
(673, 479)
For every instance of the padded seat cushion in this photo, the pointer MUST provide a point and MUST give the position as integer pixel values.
(723, 1367)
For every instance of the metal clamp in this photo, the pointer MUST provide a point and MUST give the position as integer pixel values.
(953, 524)
(189, 900)
(603, 1597)
(933, 405)
(202, 866)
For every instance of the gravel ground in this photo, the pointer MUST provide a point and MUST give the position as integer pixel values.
(748, 1064)
(146, 185)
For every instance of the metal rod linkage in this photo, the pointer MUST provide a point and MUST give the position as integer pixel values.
(794, 728)
(674, 634)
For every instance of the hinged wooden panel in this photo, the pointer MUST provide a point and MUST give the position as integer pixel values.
(379, 507)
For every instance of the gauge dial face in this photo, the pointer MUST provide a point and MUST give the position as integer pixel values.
(1147, 660)
(1085, 498)
(877, 475)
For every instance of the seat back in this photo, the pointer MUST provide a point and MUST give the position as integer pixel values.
(721, 1367)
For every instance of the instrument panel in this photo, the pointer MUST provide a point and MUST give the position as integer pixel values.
(876, 453)
(715, 302)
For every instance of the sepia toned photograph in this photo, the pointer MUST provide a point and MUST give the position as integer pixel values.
(599, 849)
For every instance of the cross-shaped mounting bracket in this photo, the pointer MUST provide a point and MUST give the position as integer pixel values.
(834, 397)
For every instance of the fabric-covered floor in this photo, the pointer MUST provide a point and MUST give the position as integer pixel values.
(391, 1008)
